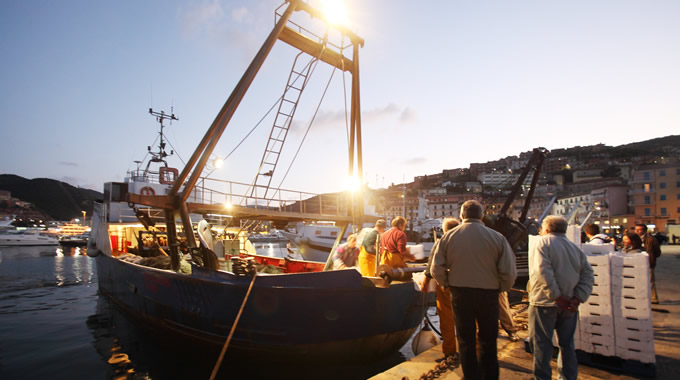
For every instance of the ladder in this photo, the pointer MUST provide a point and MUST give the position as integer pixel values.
(282, 121)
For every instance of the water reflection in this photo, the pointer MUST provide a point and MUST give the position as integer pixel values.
(69, 250)
(137, 350)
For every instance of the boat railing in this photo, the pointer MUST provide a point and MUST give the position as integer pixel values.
(215, 191)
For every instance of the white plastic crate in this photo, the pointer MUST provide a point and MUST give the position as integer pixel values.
(620, 259)
(632, 334)
(596, 305)
(598, 344)
(635, 291)
(635, 324)
(634, 350)
(640, 312)
(597, 249)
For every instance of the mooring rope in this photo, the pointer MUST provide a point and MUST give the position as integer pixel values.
(233, 328)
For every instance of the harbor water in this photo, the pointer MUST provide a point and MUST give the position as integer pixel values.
(54, 325)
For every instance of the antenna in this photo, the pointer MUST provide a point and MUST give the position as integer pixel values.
(161, 154)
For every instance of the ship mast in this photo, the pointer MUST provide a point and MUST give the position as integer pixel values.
(176, 200)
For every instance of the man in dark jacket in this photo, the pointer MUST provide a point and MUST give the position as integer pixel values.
(651, 246)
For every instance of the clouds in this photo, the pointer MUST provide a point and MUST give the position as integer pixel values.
(413, 161)
(67, 163)
(326, 120)
(200, 19)
(224, 30)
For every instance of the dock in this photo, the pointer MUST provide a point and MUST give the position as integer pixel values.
(516, 363)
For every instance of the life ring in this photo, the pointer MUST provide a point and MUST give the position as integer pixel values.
(147, 190)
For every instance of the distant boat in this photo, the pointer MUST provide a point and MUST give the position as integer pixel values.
(25, 238)
(74, 240)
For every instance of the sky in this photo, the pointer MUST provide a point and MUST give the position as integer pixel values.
(443, 84)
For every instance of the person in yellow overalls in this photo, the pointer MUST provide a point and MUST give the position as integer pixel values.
(394, 252)
(444, 308)
(368, 249)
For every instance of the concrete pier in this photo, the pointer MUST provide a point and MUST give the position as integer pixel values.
(516, 363)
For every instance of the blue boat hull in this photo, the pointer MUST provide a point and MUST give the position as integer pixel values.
(319, 316)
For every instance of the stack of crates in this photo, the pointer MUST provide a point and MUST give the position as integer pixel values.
(596, 332)
(631, 307)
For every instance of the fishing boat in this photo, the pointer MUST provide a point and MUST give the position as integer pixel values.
(164, 254)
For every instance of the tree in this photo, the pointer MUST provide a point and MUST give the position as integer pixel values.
(611, 171)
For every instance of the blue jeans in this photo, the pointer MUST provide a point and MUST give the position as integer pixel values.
(542, 322)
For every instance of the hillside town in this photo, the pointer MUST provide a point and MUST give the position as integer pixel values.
(586, 185)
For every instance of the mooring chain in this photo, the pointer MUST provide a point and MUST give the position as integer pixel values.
(449, 363)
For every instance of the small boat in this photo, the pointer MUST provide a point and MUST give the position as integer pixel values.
(162, 258)
(74, 240)
(26, 238)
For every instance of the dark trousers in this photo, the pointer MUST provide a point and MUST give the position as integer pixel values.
(476, 308)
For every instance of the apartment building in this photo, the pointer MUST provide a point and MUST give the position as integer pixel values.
(654, 195)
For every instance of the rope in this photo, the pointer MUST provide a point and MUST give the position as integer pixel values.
(231, 333)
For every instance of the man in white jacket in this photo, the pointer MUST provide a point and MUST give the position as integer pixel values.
(560, 278)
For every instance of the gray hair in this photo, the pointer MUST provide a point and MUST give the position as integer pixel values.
(554, 223)
(471, 210)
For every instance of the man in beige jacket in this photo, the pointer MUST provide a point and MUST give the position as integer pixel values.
(475, 263)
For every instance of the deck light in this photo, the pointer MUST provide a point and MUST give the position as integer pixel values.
(218, 162)
(227, 205)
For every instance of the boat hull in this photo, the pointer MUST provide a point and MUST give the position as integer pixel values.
(324, 317)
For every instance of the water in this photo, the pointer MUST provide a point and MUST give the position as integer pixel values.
(54, 325)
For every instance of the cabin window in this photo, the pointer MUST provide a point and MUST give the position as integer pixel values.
(317, 232)
(334, 233)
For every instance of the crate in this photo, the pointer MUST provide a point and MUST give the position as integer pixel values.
(631, 260)
(598, 344)
(596, 305)
(626, 334)
(630, 291)
(642, 351)
(597, 249)
(633, 310)
(635, 324)
(596, 324)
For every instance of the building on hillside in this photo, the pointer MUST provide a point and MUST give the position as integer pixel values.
(448, 205)
(474, 187)
(5, 195)
(610, 200)
(573, 207)
(588, 174)
(538, 205)
(432, 192)
(588, 185)
(555, 164)
(414, 209)
(655, 195)
(500, 179)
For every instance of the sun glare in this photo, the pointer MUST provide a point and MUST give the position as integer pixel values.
(352, 184)
(335, 12)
